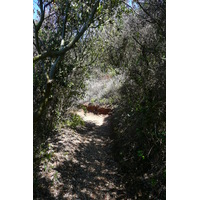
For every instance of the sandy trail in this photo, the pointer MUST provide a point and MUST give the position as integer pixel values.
(82, 167)
(92, 118)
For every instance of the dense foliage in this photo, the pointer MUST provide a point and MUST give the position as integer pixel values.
(63, 37)
(77, 39)
(64, 33)
(139, 122)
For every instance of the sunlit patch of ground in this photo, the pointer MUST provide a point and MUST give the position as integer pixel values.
(91, 117)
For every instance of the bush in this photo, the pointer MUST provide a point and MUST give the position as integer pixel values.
(139, 121)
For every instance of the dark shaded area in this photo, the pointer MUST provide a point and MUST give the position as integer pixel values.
(41, 189)
(40, 143)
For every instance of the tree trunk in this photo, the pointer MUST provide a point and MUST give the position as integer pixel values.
(43, 104)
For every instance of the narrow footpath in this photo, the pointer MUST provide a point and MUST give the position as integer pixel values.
(82, 166)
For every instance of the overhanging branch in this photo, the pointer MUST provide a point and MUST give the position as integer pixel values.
(72, 43)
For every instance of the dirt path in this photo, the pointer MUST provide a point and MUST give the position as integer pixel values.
(82, 167)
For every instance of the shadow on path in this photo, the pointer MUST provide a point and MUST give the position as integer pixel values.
(82, 166)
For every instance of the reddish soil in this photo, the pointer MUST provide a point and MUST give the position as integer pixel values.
(96, 109)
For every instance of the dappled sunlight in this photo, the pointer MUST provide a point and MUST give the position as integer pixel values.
(82, 166)
(109, 59)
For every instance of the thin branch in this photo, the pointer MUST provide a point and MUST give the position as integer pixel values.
(47, 4)
(127, 4)
(64, 23)
(34, 23)
(53, 68)
(72, 43)
(137, 41)
(38, 26)
(50, 15)
(147, 13)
